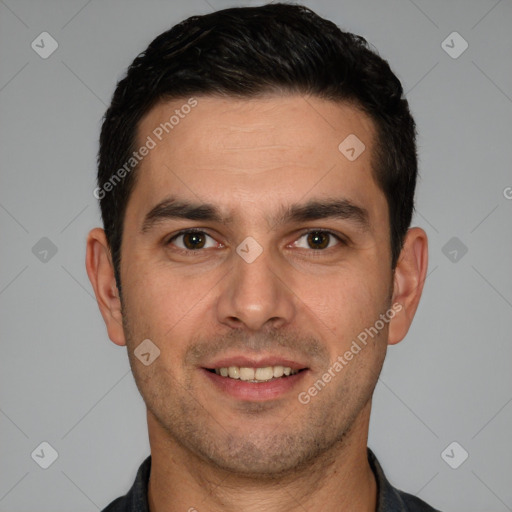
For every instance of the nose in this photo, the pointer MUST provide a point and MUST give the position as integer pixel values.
(256, 295)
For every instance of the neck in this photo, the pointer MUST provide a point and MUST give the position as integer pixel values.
(341, 479)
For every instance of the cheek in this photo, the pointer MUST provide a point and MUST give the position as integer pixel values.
(345, 303)
(158, 296)
(167, 307)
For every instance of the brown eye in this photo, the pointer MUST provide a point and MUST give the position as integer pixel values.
(318, 239)
(192, 240)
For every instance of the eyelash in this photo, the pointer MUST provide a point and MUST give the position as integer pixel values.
(191, 252)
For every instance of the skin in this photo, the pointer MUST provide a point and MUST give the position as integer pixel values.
(251, 158)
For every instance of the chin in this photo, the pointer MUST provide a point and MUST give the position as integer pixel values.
(265, 456)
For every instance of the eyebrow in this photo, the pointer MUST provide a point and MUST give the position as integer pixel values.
(171, 208)
(343, 209)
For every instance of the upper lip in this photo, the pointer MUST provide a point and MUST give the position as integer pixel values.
(253, 362)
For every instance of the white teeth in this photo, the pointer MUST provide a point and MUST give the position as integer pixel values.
(255, 374)
(234, 372)
(246, 373)
(278, 371)
(264, 373)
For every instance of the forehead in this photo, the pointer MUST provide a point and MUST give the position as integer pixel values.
(257, 151)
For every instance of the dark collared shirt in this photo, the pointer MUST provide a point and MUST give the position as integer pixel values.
(389, 499)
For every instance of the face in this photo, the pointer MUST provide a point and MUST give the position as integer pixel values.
(252, 242)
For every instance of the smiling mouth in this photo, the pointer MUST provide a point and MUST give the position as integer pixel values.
(248, 374)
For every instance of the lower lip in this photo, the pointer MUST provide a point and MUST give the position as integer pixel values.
(255, 391)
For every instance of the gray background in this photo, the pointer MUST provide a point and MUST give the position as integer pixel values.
(62, 381)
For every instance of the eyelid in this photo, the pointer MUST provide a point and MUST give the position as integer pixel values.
(186, 230)
(341, 238)
(168, 240)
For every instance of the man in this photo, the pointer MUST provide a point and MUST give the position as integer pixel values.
(256, 179)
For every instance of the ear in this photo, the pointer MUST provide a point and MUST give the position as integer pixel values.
(410, 274)
(100, 270)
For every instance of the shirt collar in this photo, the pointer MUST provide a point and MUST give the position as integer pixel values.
(388, 498)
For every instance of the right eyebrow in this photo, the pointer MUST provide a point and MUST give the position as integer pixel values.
(171, 208)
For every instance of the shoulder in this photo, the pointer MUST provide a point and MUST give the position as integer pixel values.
(118, 505)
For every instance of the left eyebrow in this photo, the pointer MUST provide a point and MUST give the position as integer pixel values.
(341, 209)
